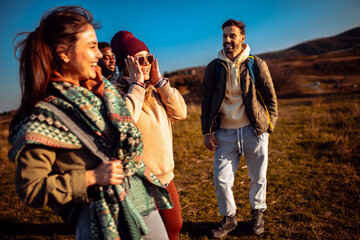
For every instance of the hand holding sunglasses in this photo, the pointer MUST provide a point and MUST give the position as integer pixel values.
(134, 70)
(149, 59)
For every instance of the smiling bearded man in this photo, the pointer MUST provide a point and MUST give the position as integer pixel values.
(236, 122)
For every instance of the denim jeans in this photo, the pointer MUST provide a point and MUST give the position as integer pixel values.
(156, 227)
(83, 224)
(231, 144)
(153, 221)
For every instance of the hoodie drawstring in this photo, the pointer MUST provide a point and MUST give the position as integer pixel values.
(240, 140)
(228, 78)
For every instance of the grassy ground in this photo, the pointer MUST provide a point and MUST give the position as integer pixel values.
(313, 178)
(313, 175)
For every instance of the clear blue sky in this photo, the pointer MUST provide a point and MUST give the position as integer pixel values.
(181, 33)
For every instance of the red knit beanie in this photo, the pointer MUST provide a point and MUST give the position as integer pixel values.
(125, 43)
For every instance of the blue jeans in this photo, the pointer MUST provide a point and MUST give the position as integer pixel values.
(231, 144)
(153, 221)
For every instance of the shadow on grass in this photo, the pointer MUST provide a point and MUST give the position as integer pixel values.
(202, 229)
(9, 227)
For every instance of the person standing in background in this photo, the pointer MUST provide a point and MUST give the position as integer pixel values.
(237, 116)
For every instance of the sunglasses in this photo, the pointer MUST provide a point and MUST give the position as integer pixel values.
(149, 58)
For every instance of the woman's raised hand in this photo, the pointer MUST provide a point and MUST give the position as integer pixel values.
(155, 72)
(134, 70)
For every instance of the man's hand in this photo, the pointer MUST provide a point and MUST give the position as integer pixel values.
(210, 142)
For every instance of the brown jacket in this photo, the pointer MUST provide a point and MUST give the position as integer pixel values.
(213, 93)
(54, 177)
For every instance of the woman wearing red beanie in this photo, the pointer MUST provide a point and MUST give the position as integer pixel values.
(154, 105)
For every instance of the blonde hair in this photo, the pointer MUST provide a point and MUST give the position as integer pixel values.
(150, 98)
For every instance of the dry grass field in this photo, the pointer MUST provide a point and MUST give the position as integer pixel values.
(313, 175)
(313, 178)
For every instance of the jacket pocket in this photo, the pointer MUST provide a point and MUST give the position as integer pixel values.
(262, 120)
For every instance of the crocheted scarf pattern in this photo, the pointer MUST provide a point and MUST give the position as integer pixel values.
(115, 210)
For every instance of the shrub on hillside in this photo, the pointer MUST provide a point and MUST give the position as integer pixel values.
(189, 86)
(284, 78)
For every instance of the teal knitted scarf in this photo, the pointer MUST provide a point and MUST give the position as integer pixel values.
(115, 211)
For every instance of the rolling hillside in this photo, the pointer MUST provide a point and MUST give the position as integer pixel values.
(344, 44)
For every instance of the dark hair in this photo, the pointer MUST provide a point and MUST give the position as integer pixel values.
(232, 22)
(38, 56)
(102, 45)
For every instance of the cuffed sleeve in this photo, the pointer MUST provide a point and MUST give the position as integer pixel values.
(78, 184)
(174, 103)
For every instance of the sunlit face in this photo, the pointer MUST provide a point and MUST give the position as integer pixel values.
(85, 56)
(146, 67)
(232, 41)
(108, 58)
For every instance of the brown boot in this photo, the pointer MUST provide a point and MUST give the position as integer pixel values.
(257, 221)
(228, 224)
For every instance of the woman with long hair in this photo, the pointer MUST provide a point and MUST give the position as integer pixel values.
(154, 105)
(107, 198)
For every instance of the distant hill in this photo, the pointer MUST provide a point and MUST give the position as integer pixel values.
(347, 42)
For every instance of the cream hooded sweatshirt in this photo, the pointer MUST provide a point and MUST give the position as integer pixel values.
(155, 126)
(233, 114)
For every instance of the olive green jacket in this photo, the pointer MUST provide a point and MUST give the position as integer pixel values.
(54, 177)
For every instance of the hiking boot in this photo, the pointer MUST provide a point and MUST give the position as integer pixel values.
(228, 224)
(257, 221)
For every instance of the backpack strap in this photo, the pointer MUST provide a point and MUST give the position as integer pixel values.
(86, 136)
(250, 65)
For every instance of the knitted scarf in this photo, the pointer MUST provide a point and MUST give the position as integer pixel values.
(115, 211)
